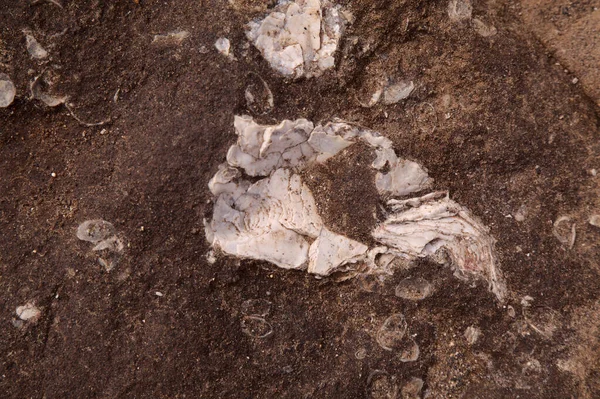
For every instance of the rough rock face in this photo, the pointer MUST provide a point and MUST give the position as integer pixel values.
(276, 218)
(299, 38)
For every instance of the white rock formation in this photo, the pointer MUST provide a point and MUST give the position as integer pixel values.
(275, 218)
(299, 38)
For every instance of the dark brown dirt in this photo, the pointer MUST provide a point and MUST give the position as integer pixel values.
(494, 120)
(345, 192)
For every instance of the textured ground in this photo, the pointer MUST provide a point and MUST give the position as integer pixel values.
(496, 120)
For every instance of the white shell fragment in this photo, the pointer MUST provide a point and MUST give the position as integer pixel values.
(263, 210)
(419, 227)
(105, 239)
(34, 48)
(472, 334)
(397, 92)
(28, 312)
(223, 46)
(299, 38)
(565, 231)
(7, 91)
(460, 10)
(391, 334)
(174, 38)
(595, 220)
(38, 93)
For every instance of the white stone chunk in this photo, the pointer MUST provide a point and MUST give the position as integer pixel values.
(7, 91)
(28, 312)
(34, 48)
(298, 38)
(223, 46)
(397, 92)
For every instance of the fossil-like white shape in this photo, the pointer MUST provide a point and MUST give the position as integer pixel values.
(298, 38)
(263, 210)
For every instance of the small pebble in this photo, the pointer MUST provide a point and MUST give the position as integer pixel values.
(223, 46)
(158, 293)
(35, 49)
(28, 312)
(7, 91)
(595, 220)
(575, 81)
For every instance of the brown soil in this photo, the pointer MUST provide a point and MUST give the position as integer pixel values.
(494, 119)
(345, 192)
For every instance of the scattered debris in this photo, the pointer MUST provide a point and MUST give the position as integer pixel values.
(542, 319)
(37, 92)
(409, 351)
(211, 257)
(472, 334)
(414, 289)
(259, 97)
(360, 353)
(56, 3)
(595, 220)
(412, 389)
(387, 91)
(521, 214)
(392, 332)
(396, 92)
(28, 312)
(564, 230)
(223, 46)
(256, 327)
(484, 29)
(104, 237)
(460, 10)
(34, 48)
(256, 307)
(7, 91)
(69, 107)
(511, 311)
(299, 38)
(174, 38)
(275, 218)
(380, 385)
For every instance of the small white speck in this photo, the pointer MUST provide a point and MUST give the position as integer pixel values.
(575, 81)
(53, 174)
(158, 293)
